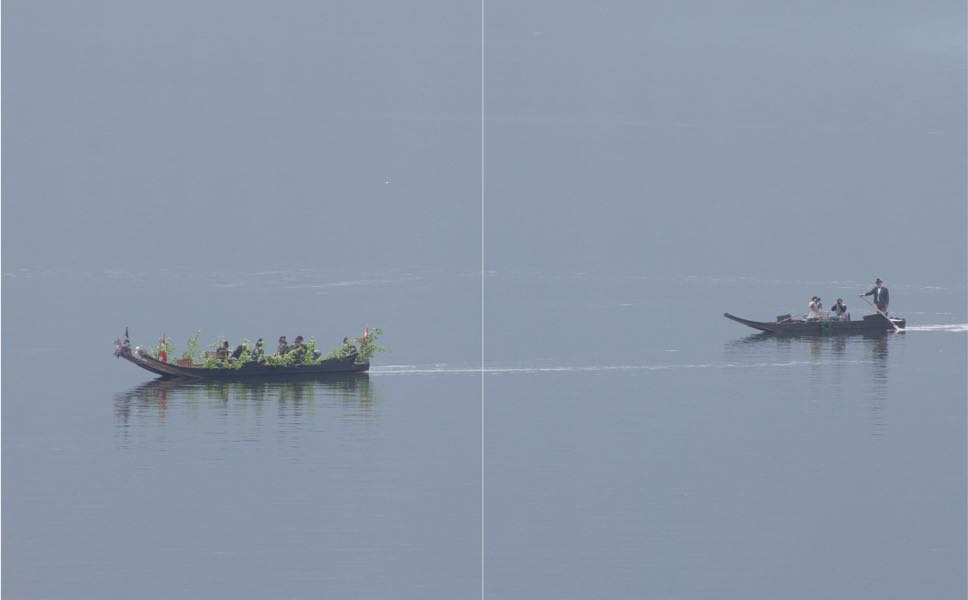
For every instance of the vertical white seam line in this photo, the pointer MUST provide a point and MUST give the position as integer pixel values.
(482, 299)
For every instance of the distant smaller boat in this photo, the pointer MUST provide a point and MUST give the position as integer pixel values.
(785, 325)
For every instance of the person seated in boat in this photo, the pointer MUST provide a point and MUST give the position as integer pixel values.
(237, 353)
(301, 349)
(298, 349)
(838, 312)
(304, 350)
(814, 309)
(223, 352)
(348, 348)
(259, 350)
(283, 346)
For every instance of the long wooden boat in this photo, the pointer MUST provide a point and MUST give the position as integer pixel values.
(870, 324)
(247, 371)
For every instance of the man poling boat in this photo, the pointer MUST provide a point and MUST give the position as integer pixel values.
(882, 297)
(838, 321)
(881, 300)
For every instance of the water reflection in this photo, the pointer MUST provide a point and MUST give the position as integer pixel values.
(837, 367)
(818, 347)
(879, 388)
(292, 397)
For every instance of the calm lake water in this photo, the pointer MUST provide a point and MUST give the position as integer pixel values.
(651, 448)
(632, 447)
(365, 487)
(631, 169)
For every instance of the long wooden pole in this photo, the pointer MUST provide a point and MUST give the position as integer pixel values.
(896, 328)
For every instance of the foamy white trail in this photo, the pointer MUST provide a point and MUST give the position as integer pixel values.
(446, 370)
(954, 327)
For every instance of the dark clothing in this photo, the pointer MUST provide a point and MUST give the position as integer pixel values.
(881, 297)
(298, 351)
(238, 351)
(282, 349)
(222, 351)
(258, 350)
(839, 310)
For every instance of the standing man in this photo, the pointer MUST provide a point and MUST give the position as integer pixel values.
(881, 296)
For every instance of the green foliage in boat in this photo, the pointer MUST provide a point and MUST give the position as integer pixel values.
(363, 351)
(193, 349)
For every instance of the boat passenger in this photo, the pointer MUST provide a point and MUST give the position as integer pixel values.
(348, 348)
(298, 349)
(881, 296)
(814, 309)
(259, 350)
(223, 352)
(839, 311)
(237, 353)
(283, 346)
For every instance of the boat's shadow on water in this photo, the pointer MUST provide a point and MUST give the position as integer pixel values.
(878, 343)
(294, 395)
(827, 362)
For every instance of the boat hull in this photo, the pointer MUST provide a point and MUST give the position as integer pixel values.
(871, 324)
(247, 371)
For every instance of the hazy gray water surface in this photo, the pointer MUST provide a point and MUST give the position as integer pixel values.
(636, 449)
(364, 486)
(253, 169)
(649, 166)
(669, 456)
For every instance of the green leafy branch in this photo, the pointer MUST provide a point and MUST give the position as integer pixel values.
(364, 349)
(354, 346)
(193, 350)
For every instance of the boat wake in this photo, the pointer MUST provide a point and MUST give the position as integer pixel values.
(954, 327)
(443, 369)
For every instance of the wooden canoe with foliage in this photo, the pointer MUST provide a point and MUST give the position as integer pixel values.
(353, 356)
(250, 369)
